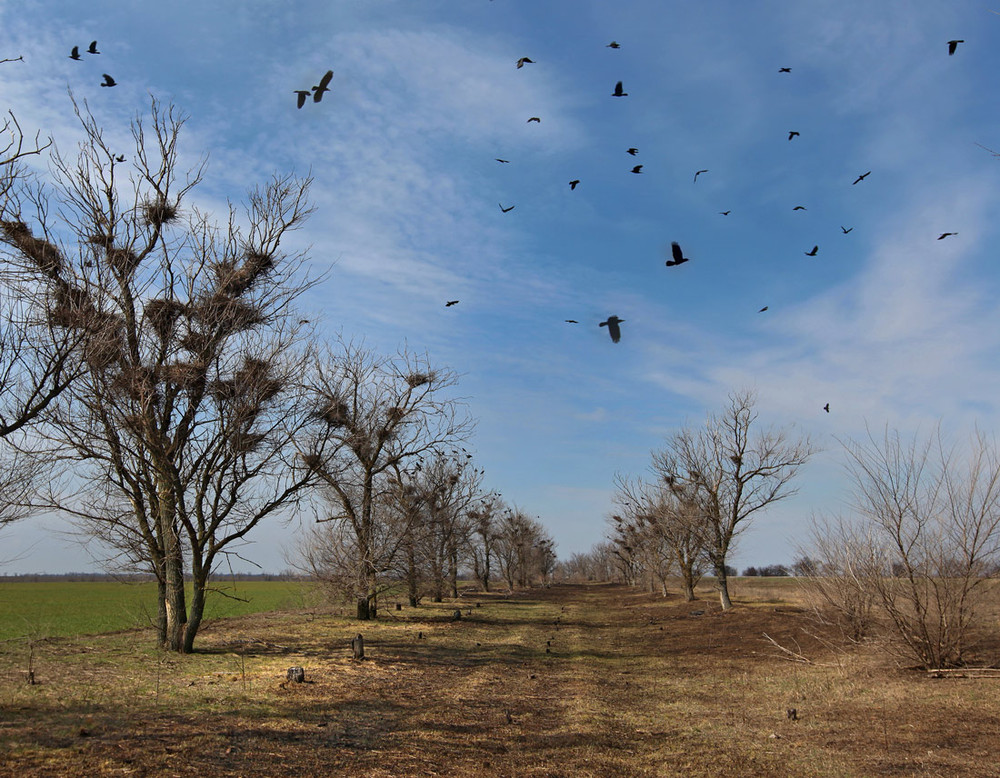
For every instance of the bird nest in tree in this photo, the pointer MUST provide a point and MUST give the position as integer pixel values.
(236, 279)
(196, 342)
(137, 381)
(395, 414)
(186, 375)
(159, 212)
(43, 254)
(227, 314)
(336, 413)
(413, 380)
(162, 313)
(124, 261)
(100, 238)
(101, 351)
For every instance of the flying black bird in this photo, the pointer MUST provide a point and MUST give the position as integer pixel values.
(504, 161)
(322, 86)
(534, 119)
(784, 70)
(303, 95)
(75, 53)
(762, 309)
(792, 134)
(813, 252)
(827, 407)
(944, 235)
(799, 208)
(523, 60)
(844, 229)
(92, 49)
(698, 173)
(613, 329)
(571, 321)
(108, 80)
(862, 177)
(618, 91)
(952, 45)
(725, 213)
(637, 169)
(677, 254)
(120, 158)
(505, 210)
(450, 303)
(633, 151)
(613, 45)
(572, 184)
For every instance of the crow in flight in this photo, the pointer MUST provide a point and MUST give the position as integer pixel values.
(450, 303)
(613, 45)
(523, 60)
(792, 134)
(677, 254)
(303, 94)
(613, 329)
(812, 253)
(534, 119)
(944, 235)
(571, 321)
(725, 213)
(572, 184)
(618, 91)
(504, 161)
(92, 49)
(322, 86)
(952, 45)
(827, 407)
(108, 80)
(844, 229)
(633, 151)
(120, 158)
(762, 309)
(505, 210)
(699, 173)
(784, 70)
(637, 169)
(75, 54)
(862, 177)
(799, 208)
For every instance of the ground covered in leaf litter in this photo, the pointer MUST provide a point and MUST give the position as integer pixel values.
(573, 680)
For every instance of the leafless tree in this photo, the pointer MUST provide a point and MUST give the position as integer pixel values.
(926, 539)
(376, 416)
(731, 471)
(525, 551)
(484, 517)
(179, 428)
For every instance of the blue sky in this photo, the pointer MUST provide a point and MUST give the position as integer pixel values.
(886, 323)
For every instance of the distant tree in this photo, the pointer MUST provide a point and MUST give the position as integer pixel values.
(484, 517)
(525, 550)
(750, 572)
(805, 566)
(178, 425)
(375, 416)
(732, 471)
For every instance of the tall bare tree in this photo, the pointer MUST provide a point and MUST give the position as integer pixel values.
(924, 541)
(484, 517)
(731, 470)
(180, 425)
(375, 416)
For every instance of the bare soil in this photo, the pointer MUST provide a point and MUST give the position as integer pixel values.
(588, 680)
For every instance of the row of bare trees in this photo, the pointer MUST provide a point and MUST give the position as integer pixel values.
(708, 484)
(154, 369)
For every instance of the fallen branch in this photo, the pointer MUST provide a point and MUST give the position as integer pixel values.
(791, 655)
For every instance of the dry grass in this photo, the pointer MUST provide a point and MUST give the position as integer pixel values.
(572, 680)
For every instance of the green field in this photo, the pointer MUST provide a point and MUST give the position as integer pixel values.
(62, 608)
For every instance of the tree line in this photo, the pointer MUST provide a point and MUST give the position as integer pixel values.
(160, 390)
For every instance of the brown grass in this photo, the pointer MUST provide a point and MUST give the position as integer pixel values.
(567, 681)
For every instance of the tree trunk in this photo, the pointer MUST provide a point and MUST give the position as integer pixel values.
(453, 571)
(722, 584)
(174, 602)
(196, 613)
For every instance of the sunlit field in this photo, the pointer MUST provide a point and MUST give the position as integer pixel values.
(582, 680)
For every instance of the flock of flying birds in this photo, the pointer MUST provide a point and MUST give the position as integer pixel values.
(677, 257)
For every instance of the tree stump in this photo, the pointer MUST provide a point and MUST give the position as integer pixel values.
(358, 647)
(456, 616)
(296, 675)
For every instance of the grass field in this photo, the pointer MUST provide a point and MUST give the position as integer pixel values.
(587, 680)
(65, 608)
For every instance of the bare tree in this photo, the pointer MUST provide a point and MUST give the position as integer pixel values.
(525, 551)
(375, 416)
(925, 541)
(482, 543)
(731, 471)
(180, 425)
